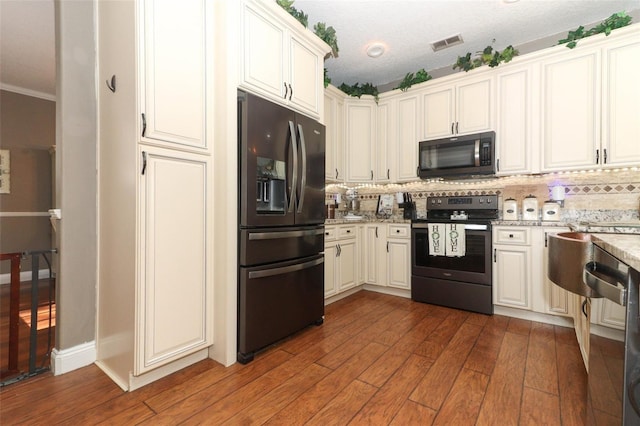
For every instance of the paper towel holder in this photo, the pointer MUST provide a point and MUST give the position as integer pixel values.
(558, 194)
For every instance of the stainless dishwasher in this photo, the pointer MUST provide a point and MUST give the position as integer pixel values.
(614, 370)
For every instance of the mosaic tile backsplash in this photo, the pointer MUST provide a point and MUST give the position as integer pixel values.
(597, 196)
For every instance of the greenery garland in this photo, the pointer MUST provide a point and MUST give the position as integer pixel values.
(410, 79)
(326, 34)
(617, 20)
(357, 90)
(487, 57)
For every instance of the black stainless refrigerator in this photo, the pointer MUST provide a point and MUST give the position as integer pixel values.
(281, 223)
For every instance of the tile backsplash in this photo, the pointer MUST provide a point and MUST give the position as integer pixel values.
(601, 196)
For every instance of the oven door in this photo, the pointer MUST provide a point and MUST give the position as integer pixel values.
(473, 267)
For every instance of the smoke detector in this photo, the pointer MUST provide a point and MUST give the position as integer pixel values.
(447, 42)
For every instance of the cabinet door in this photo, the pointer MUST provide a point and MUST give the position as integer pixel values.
(399, 263)
(330, 265)
(438, 113)
(608, 313)
(474, 106)
(511, 276)
(347, 268)
(174, 301)
(173, 72)
(330, 170)
(305, 71)
(264, 65)
(582, 326)
(408, 136)
(621, 105)
(515, 121)
(360, 139)
(557, 301)
(383, 161)
(571, 111)
(373, 239)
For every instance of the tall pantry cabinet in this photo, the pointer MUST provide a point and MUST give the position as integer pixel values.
(155, 187)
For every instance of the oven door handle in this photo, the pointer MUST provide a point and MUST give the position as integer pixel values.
(285, 269)
(467, 226)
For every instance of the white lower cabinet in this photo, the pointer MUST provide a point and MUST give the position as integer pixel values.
(582, 325)
(377, 254)
(548, 297)
(340, 258)
(175, 309)
(606, 313)
(399, 256)
(374, 247)
(512, 267)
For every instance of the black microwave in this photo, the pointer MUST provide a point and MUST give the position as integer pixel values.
(457, 156)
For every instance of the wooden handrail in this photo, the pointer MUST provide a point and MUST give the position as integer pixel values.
(14, 310)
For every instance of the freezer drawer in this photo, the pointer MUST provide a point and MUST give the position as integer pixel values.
(276, 300)
(268, 245)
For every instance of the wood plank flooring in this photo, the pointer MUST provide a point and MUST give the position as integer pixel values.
(377, 360)
(44, 338)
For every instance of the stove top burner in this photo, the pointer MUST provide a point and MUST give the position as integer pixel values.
(465, 209)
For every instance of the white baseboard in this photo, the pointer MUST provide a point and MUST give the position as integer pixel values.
(24, 276)
(73, 358)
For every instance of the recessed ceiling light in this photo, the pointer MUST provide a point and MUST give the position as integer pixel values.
(375, 50)
(510, 1)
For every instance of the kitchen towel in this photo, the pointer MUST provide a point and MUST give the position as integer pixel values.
(455, 237)
(437, 239)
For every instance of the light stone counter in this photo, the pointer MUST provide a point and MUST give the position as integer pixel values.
(529, 223)
(625, 247)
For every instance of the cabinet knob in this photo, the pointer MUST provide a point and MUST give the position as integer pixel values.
(510, 235)
(348, 231)
(397, 231)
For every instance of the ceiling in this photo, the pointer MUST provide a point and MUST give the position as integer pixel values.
(406, 27)
(27, 45)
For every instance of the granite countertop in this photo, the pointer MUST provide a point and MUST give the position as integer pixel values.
(528, 223)
(365, 220)
(625, 247)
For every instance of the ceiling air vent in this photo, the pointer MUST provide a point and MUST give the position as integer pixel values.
(447, 42)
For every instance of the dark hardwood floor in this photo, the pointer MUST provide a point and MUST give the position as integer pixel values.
(376, 360)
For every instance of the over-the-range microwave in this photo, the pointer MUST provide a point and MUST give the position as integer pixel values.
(459, 156)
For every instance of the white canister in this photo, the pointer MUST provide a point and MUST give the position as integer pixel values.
(551, 211)
(530, 208)
(510, 209)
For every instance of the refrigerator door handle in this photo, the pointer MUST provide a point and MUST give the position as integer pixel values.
(303, 178)
(285, 269)
(294, 179)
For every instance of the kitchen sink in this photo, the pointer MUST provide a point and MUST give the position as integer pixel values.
(568, 253)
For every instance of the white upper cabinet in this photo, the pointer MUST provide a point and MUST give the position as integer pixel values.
(459, 107)
(334, 124)
(407, 134)
(173, 72)
(590, 107)
(384, 142)
(360, 138)
(571, 110)
(621, 103)
(516, 133)
(281, 60)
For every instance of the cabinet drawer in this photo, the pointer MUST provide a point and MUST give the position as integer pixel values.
(330, 233)
(347, 232)
(399, 231)
(520, 236)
